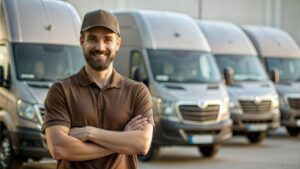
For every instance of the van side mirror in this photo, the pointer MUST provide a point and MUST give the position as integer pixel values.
(274, 75)
(228, 75)
(138, 76)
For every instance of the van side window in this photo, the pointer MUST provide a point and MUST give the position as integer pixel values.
(137, 62)
(4, 60)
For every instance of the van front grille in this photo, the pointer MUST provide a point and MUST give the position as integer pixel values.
(252, 107)
(294, 103)
(195, 113)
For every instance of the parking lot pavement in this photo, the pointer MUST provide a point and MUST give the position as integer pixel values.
(278, 151)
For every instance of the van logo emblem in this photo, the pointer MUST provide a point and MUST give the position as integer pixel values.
(201, 104)
(257, 100)
(48, 27)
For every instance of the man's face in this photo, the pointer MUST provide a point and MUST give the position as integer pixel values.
(99, 47)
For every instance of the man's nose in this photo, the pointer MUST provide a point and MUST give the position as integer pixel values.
(100, 45)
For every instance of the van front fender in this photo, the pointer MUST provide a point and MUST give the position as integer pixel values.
(7, 120)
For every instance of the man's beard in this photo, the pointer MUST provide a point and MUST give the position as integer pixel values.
(90, 58)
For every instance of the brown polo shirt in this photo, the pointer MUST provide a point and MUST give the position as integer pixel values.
(77, 102)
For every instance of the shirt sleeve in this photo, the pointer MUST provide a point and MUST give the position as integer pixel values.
(143, 104)
(56, 108)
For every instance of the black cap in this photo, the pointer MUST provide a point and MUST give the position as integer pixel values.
(100, 18)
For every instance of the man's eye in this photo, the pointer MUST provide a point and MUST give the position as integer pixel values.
(108, 40)
(91, 39)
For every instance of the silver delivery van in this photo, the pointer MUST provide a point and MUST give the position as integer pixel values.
(168, 53)
(254, 104)
(39, 43)
(281, 57)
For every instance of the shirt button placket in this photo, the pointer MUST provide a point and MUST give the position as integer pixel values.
(100, 107)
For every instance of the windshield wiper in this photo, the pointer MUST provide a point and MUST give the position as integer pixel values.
(287, 82)
(249, 79)
(43, 79)
(194, 81)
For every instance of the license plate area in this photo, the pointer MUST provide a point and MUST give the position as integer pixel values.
(200, 139)
(257, 127)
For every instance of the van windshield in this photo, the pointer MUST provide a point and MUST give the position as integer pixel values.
(288, 68)
(246, 68)
(45, 62)
(179, 66)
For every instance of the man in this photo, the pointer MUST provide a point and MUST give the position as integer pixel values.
(97, 119)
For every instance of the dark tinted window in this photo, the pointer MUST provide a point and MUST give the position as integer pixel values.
(45, 62)
(289, 68)
(183, 66)
(246, 68)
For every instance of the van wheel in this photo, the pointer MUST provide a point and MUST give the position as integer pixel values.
(37, 159)
(256, 137)
(293, 131)
(151, 155)
(8, 159)
(209, 151)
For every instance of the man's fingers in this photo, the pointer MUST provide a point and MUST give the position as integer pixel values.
(139, 126)
(136, 118)
(141, 120)
(137, 123)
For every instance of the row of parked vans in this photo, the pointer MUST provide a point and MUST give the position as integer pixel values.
(208, 79)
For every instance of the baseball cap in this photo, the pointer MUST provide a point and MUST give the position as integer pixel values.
(100, 18)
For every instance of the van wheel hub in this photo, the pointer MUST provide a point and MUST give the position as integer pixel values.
(5, 152)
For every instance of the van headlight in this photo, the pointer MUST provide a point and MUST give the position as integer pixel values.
(225, 104)
(275, 101)
(166, 108)
(27, 111)
(224, 110)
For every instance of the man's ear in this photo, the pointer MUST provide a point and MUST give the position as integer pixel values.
(119, 40)
(81, 40)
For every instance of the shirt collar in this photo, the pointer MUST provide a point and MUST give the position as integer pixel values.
(85, 80)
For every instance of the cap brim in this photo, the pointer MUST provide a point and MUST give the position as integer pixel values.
(103, 26)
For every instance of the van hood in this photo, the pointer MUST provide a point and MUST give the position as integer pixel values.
(192, 92)
(288, 88)
(251, 89)
(37, 90)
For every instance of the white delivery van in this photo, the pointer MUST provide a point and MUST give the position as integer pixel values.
(171, 56)
(254, 104)
(280, 54)
(39, 43)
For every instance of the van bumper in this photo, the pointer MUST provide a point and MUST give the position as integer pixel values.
(176, 133)
(247, 122)
(290, 117)
(29, 143)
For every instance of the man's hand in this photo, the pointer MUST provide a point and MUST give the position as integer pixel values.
(137, 123)
(80, 133)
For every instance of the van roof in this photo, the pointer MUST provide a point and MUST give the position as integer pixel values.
(272, 42)
(39, 21)
(226, 38)
(160, 30)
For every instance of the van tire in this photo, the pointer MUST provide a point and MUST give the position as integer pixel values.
(151, 155)
(293, 131)
(256, 137)
(209, 151)
(9, 160)
(37, 159)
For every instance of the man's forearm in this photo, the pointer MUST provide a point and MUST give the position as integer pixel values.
(76, 150)
(64, 147)
(125, 142)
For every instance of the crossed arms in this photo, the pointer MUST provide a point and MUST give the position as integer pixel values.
(71, 144)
